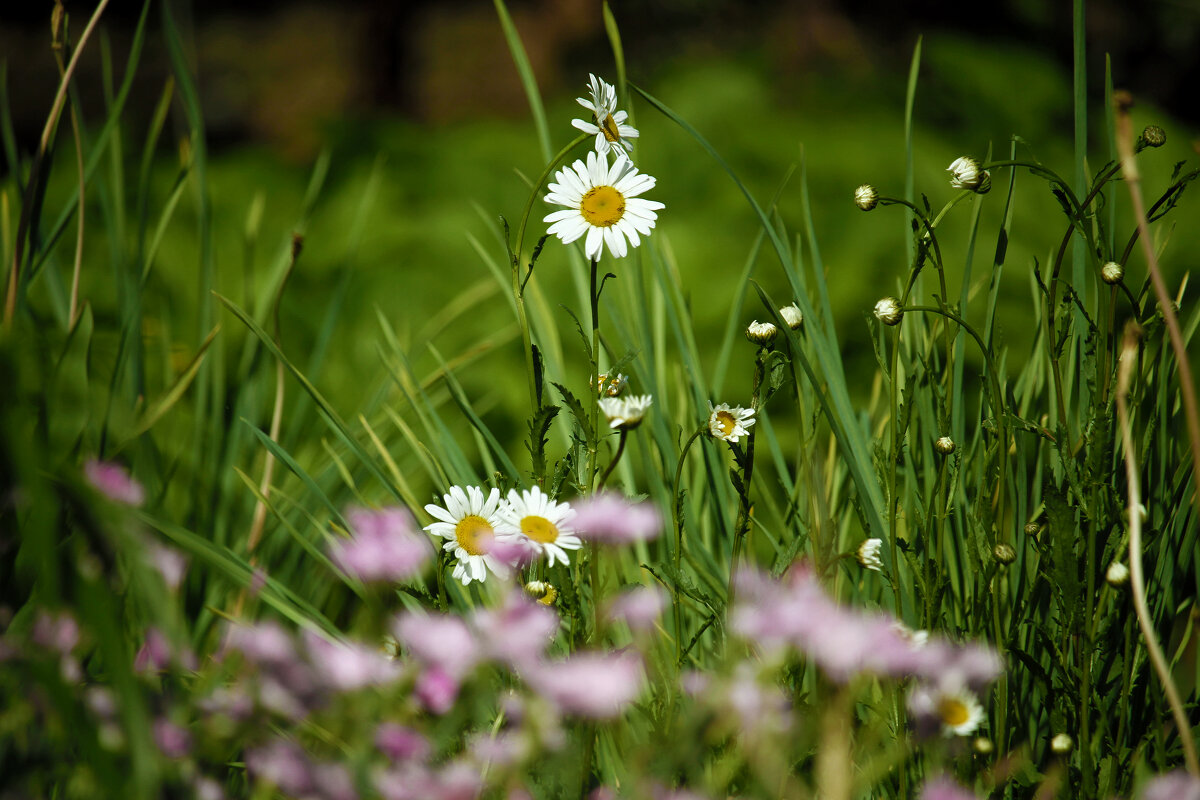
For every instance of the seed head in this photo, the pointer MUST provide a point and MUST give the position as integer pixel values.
(1112, 273)
(1153, 136)
(762, 333)
(1032, 529)
(888, 311)
(1005, 553)
(944, 445)
(865, 197)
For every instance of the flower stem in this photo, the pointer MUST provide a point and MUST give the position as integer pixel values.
(612, 464)
(676, 501)
(594, 445)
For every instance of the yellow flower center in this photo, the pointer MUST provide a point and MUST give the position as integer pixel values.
(539, 529)
(474, 534)
(726, 422)
(609, 129)
(603, 206)
(954, 712)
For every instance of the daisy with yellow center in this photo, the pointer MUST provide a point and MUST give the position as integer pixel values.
(625, 413)
(730, 424)
(543, 521)
(602, 202)
(608, 124)
(958, 710)
(469, 523)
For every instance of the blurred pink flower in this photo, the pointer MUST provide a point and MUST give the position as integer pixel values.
(518, 632)
(438, 640)
(609, 518)
(347, 666)
(58, 631)
(281, 764)
(383, 546)
(436, 689)
(172, 740)
(1176, 785)
(457, 780)
(639, 607)
(169, 562)
(113, 481)
(594, 685)
(332, 781)
(155, 654)
(400, 743)
(943, 788)
(261, 643)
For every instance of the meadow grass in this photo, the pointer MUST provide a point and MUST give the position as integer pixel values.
(268, 355)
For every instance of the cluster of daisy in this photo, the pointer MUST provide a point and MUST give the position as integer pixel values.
(601, 199)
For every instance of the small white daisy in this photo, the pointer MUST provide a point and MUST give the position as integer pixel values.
(608, 124)
(543, 521)
(730, 424)
(868, 554)
(959, 712)
(469, 524)
(625, 413)
(603, 202)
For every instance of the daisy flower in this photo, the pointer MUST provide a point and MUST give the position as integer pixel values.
(955, 710)
(608, 124)
(728, 423)
(543, 521)
(602, 202)
(468, 523)
(625, 413)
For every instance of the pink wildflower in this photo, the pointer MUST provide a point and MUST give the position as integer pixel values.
(113, 481)
(518, 632)
(609, 518)
(639, 608)
(282, 764)
(169, 562)
(347, 666)
(594, 685)
(438, 640)
(400, 743)
(384, 546)
(1176, 785)
(436, 689)
(943, 788)
(172, 740)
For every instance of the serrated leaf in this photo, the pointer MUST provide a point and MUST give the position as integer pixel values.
(577, 410)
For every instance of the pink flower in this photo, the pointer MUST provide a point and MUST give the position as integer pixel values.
(384, 546)
(1176, 785)
(263, 643)
(438, 640)
(594, 685)
(58, 632)
(113, 481)
(639, 607)
(282, 764)
(400, 743)
(347, 666)
(943, 788)
(437, 690)
(518, 632)
(610, 518)
(170, 563)
(172, 740)
(155, 654)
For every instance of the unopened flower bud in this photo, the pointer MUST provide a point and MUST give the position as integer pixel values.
(761, 332)
(967, 173)
(1005, 553)
(888, 311)
(1062, 744)
(1112, 273)
(985, 183)
(1117, 574)
(1154, 136)
(944, 445)
(983, 745)
(792, 316)
(868, 555)
(613, 386)
(1032, 529)
(865, 197)
(544, 593)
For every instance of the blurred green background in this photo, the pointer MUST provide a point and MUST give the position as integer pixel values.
(429, 141)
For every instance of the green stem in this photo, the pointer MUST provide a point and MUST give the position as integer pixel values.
(594, 445)
(612, 464)
(676, 500)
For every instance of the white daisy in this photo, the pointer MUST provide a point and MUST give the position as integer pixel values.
(625, 413)
(543, 521)
(603, 202)
(729, 424)
(468, 523)
(868, 554)
(608, 124)
(959, 711)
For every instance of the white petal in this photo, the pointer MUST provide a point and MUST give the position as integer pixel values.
(594, 246)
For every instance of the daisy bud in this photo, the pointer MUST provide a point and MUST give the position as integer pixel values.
(1112, 273)
(761, 333)
(944, 445)
(544, 593)
(865, 197)
(793, 317)
(985, 183)
(888, 311)
(1005, 554)
(1032, 529)
(1062, 744)
(1117, 574)
(983, 746)
(613, 386)
(1153, 136)
(868, 555)
(625, 413)
(966, 173)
